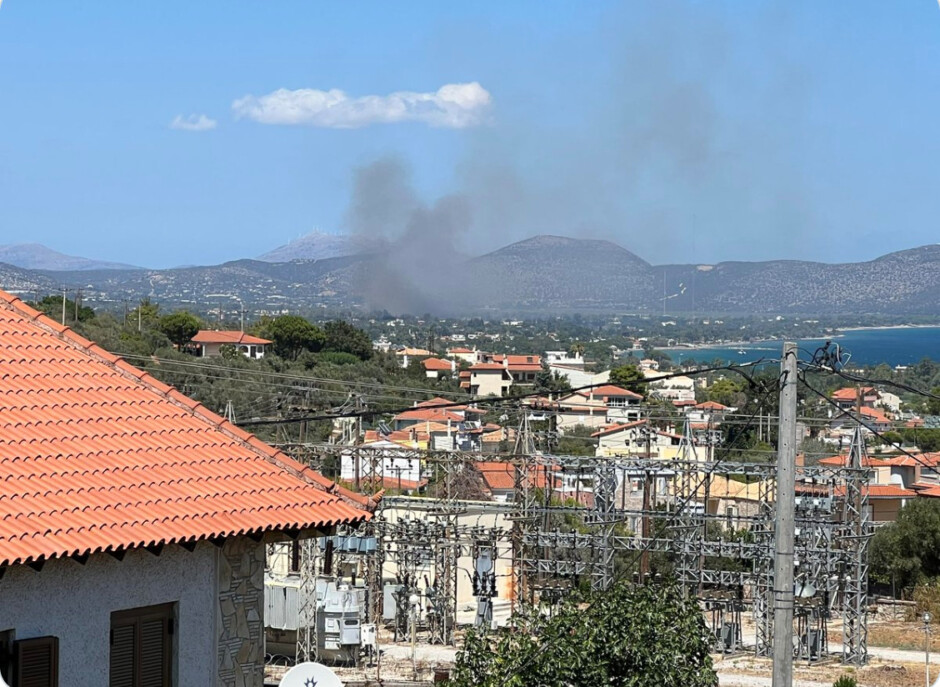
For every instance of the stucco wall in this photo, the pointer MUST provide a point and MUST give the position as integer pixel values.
(74, 603)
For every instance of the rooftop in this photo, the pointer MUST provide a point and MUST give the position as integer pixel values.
(97, 455)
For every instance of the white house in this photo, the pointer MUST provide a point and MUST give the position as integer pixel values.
(489, 379)
(133, 521)
(208, 343)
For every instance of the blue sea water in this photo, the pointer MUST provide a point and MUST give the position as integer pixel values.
(902, 346)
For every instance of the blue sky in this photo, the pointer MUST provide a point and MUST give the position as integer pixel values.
(685, 131)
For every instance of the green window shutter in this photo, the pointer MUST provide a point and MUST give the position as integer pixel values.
(37, 662)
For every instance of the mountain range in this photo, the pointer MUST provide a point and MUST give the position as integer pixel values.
(544, 274)
(35, 256)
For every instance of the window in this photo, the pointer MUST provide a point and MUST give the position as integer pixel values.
(36, 662)
(141, 647)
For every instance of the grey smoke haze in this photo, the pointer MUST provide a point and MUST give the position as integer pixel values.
(662, 165)
(415, 247)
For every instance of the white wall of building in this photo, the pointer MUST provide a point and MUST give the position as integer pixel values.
(74, 603)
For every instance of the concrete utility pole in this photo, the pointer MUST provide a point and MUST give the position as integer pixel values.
(783, 529)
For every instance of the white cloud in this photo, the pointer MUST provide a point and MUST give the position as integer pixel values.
(453, 105)
(193, 123)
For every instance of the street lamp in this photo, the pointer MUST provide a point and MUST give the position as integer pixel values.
(927, 649)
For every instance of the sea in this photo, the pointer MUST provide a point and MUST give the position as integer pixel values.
(894, 346)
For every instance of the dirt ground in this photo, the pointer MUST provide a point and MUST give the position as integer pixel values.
(900, 635)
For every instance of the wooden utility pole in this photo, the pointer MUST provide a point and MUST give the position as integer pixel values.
(784, 522)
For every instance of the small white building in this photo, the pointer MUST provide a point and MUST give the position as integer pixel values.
(208, 343)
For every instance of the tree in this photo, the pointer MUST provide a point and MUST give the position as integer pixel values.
(933, 404)
(52, 306)
(292, 334)
(342, 337)
(147, 315)
(907, 551)
(550, 382)
(628, 636)
(725, 391)
(629, 377)
(180, 327)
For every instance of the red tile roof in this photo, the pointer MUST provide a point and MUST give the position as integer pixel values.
(842, 461)
(711, 405)
(437, 365)
(617, 428)
(486, 367)
(502, 475)
(96, 455)
(886, 491)
(849, 393)
(207, 336)
(607, 391)
(432, 414)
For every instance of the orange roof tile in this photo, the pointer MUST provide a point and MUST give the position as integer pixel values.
(849, 393)
(502, 475)
(617, 428)
(608, 390)
(478, 367)
(209, 336)
(437, 365)
(711, 405)
(432, 414)
(842, 461)
(96, 455)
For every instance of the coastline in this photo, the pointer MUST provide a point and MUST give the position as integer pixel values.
(837, 334)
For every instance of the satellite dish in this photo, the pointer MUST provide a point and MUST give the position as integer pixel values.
(310, 675)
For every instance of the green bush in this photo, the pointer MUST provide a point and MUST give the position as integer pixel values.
(846, 681)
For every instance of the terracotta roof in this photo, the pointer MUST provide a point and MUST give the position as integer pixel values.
(849, 394)
(96, 455)
(437, 365)
(617, 428)
(875, 414)
(607, 391)
(842, 461)
(501, 475)
(930, 492)
(884, 491)
(432, 414)
(711, 405)
(208, 336)
(459, 350)
(478, 367)
(438, 401)
(413, 352)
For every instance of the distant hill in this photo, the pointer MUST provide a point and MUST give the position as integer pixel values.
(314, 246)
(541, 275)
(559, 273)
(35, 256)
